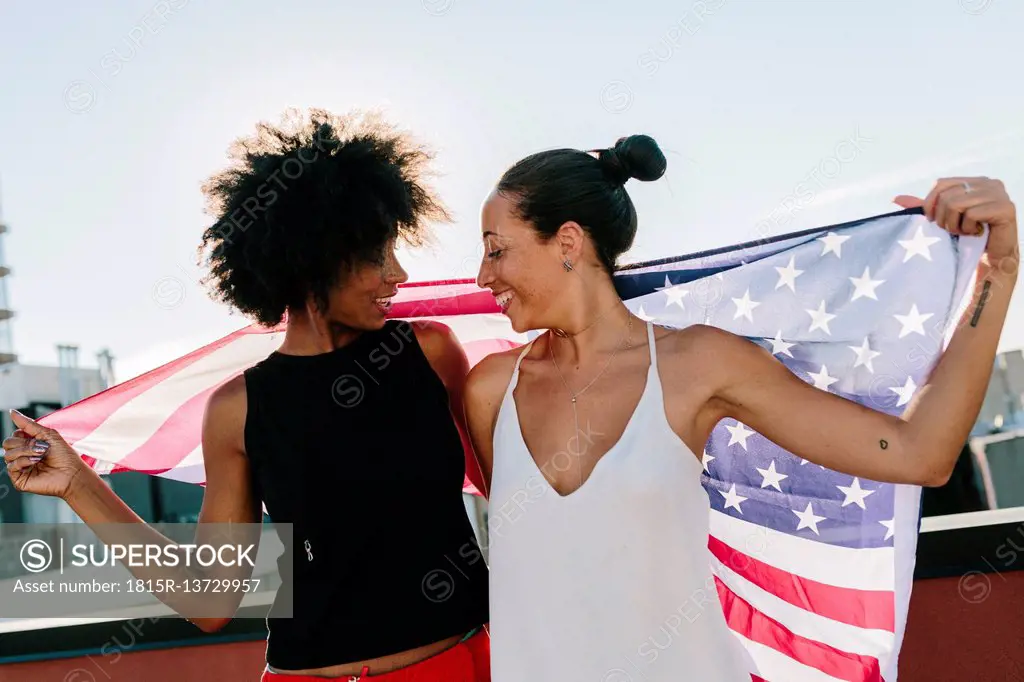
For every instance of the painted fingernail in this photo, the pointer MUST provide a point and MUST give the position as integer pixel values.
(34, 459)
(40, 446)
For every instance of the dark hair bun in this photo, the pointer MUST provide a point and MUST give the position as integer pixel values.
(636, 156)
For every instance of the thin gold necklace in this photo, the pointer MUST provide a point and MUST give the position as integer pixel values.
(564, 334)
(573, 396)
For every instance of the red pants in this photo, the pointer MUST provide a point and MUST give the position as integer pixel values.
(468, 661)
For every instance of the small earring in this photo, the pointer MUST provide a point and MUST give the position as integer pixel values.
(567, 265)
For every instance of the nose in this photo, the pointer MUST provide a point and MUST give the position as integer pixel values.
(396, 273)
(484, 276)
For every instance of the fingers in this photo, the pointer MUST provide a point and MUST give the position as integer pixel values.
(24, 451)
(33, 429)
(943, 184)
(907, 201)
(978, 216)
(29, 426)
(31, 445)
(972, 220)
(21, 463)
(955, 209)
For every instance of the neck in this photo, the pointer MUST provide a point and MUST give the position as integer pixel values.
(593, 326)
(307, 334)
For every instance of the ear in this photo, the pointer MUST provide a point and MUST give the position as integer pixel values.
(570, 239)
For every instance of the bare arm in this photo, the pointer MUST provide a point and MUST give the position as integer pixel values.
(449, 361)
(922, 445)
(485, 389)
(228, 499)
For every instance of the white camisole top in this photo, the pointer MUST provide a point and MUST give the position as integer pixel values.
(611, 583)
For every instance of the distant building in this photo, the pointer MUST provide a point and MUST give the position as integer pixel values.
(37, 390)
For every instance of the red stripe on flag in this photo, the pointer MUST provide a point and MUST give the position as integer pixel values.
(873, 609)
(478, 350)
(176, 437)
(89, 413)
(472, 301)
(757, 627)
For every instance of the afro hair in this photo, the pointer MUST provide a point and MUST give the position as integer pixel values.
(307, 201)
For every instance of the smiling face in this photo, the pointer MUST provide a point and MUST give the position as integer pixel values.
(362, 300)
(524, 272)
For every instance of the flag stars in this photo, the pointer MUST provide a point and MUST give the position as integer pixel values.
(864, 355)
(771, 477)
(788, 275)
(822, 379)
(912, 322)
(905, 392)
(855, 494)
(920, 245)
(745, 306)
(865, 286)
(674, 293)
(780, 346)
(732, 499)
(642, 314)
(705, 460)
(888, 528)
(808, 519)
(820, 319)
(739, 434)
(833, 243)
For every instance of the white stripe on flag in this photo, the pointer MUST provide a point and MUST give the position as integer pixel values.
(135, 422)
(480, 327)
(778, 667)
(842, 636)
(868, 568)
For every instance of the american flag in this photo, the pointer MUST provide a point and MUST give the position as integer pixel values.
(813, 567)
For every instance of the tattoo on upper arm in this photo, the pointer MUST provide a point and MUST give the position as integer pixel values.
(981, 303)
(884, 443)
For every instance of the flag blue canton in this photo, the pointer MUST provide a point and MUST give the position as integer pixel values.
(860, 310)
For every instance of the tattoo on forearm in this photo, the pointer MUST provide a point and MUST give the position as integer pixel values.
(981, 303)
(884, 443)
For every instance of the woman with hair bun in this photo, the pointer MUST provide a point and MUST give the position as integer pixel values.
(589, 436)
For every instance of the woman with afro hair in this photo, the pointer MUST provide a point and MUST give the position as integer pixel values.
(351, 433)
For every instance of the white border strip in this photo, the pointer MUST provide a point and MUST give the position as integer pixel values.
(989, 517)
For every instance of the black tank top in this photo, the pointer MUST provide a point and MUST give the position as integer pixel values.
(357, 449)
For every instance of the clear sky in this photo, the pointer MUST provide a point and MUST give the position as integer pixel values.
(115, 112)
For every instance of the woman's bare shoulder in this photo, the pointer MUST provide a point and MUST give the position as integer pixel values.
(697, 346)
(490, 376)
